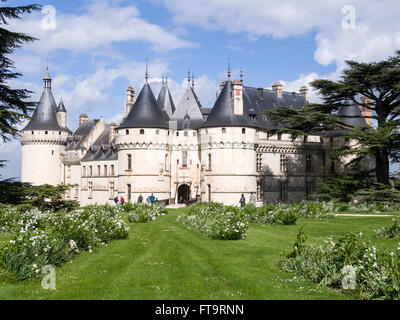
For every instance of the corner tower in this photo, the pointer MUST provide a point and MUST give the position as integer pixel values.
(43, 142)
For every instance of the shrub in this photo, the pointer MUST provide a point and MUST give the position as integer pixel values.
(217, 221)
(277, 214)
(377, 272)
(391, 231)
(142, 213)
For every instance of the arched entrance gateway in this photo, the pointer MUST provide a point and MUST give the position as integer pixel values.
(184, 192)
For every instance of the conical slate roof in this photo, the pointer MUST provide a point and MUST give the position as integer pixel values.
(44, 117)
(351, 115)
(189, 104)
(61, 107)
(165, 100)
(222, 114)
(145, 113)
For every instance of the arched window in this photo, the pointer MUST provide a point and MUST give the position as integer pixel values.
(141, 131)
(46, 132)
(223, 130)
(243, 131)
(127, 132)
(177, 134)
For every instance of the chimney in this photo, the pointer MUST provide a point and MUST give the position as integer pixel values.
(277, 89)
(83, 118)
(130, 99)
(113, 125)
(365, 111)
(237, 97)
(304, 92)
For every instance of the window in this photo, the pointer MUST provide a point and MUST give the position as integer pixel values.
(185, 133)
(32, 132)
(283, 163)
(112, 170)
(127, 132)
(283, 190)
(68, 171)
(223, 130)
(90, 190)
(177, 134)
(98, 170)
(46, 132)
(84, 171)
(332, 165)
(157, 132)
(76, 195)
(209, 161)
(142, 131)
(308, 164)
(309, 188)
(59, 133)
(305, 138)
(129, 191)
(105, 170)
(194, 134)
(129, 162)
(90, 171)
(166, 162)
(259, 162)
(279, 136)
(68, 195)
(243, 131)
(111, 190)
(52, 152)
(209, 192)
(184, 158)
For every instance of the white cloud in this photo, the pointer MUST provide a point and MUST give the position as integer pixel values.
(101, 25)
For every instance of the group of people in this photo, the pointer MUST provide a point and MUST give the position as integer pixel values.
(150, 199)
(242, 200)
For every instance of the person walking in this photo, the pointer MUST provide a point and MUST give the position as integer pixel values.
(140, 198)
(122, 200)
(242, 200)
(116, 200)
(152, 198)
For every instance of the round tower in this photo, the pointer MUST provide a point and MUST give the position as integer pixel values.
(43, 142)
(228, 149)
(142, 144)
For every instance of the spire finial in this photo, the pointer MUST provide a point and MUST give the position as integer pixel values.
(188, 77)
(229, 67)
(47, 78)
(147, 71)
(193, 80)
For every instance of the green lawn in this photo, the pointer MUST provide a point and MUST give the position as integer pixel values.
(165, 260)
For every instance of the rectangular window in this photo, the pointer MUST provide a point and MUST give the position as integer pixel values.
(129, 162)
(111, 190)
(209, 192)
(279, 136)
(90, 171)
(76, 193)
(129, 192)
(68, 171)
(84, 171)
(283, 190)
(90, 190)
(184, 158)
(283, 163)
(98, 171)
(112, 170)
(166, 162)
(308, 164)
(209, 161)
(105, 170)
(259, 162)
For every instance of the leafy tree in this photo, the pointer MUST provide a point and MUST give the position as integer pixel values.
(14, 107)
(377, 81)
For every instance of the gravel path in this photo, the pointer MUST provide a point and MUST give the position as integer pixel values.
(362, 215)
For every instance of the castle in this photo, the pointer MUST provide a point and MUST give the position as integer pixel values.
(181, 151)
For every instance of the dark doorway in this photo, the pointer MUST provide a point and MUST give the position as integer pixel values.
(184, 192)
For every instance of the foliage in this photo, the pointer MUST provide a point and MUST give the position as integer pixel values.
(13, 105)
(141, 212)
(377, 81)
(47, 238)
(377, 272)
(216, 221)
(391, 231)
(44, 197)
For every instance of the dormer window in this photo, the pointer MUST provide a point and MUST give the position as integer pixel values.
(127, 132)
(223, 130)
(46, 132)
(32, 132)
(243, 130)
(185, 134)
(157, 132)
(141, 131)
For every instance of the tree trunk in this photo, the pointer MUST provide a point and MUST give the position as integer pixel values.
(382, 166)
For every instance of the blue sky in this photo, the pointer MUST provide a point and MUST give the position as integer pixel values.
(97, 48)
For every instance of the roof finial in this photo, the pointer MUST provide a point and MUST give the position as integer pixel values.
(147, 71)
(241, 74)
(188, 77)
(193, 80)
(229, 67)
(47, 78)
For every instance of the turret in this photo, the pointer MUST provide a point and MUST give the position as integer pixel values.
(62, 114)
(43, 140)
